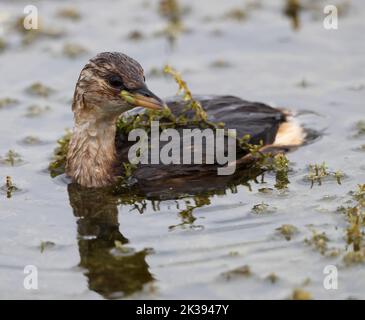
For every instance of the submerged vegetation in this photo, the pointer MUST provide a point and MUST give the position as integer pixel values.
(11, 158)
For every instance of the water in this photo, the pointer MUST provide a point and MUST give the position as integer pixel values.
(115, 251)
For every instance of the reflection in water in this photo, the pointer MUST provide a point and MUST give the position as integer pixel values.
(112, 270)
(292, 11)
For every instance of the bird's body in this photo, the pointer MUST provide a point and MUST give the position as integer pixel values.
(97, 150)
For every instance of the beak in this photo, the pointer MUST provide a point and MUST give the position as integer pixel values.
(143, 97)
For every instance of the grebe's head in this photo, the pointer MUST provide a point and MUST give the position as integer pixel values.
(101, 82)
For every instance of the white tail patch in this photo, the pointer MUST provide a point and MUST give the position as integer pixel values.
(290, 133)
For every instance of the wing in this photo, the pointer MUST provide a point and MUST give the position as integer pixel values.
(258, 120)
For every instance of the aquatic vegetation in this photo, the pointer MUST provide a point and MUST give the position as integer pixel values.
(354, 257)
(268, 161)
(272, 277)
(69, 13)
(236, 14)
(304, 83)
(300, 294)
(319, 172)
(280, 165)
(356, 223)
(244, 271)
(360, 128)
(11, 158)
(200, 114)
(173, 13)
(287, 230)
(319, 241)
(9, 187)
(30, 36)
(39, 89)
(135, 35)
(262, 208)
(292, 10)
(36, 110)
(46, 245)
(58, 163)
(31, 140)
(73, 50)
(220, 63)
(7, 102)
(3, 45)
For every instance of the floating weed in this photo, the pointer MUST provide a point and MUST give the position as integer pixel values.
(304, 83)
(8, 102)
(272, 277)
(233, 253)
(266, 190)
(236, 14)
(300, 294)
(220, 63)
(268, 161)
(135, 35)
(29, 36)
(360, 128)
(46, 245)
(319, 241)
(9, 188)
(73, 50)
(356, 223)
(172, 12)
(69, 13)
(262, 208)
(319, 172)
(36, 111)
(58, 163)
(354, 257)
(31, 141)
(39, 89)
(280, 165)
(292, 10)
(244, 271)
(287, 230)
(11, 158)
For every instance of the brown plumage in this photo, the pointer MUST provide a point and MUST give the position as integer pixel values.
(96, 149)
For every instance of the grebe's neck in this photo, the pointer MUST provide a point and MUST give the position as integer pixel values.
(91, 155)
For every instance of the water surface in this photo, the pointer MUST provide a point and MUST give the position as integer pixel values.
(183, 248)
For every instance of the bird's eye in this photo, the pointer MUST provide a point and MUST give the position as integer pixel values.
(144, 78)
(116, 82)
